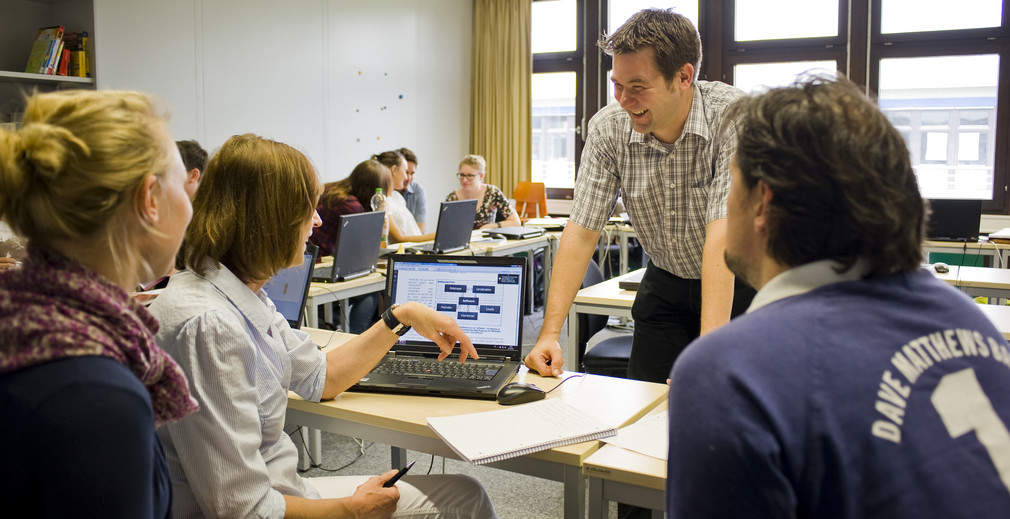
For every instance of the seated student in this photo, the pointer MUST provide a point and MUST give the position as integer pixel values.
(194, 157)
(413, 193)
(493, 210)
(345, 197)
(857, 385)
(402, 226)
(251, 217)
(94, 181)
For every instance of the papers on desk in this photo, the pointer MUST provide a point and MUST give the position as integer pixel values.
(649, 436)
(493, 436)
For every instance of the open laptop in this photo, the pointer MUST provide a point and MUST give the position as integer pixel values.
(954, 220)
(289, 288)
(484, 294)
(356, 249)
(455, 225)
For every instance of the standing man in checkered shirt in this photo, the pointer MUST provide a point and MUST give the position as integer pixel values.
(663, 151)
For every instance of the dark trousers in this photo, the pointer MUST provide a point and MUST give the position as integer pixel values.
(667, 313)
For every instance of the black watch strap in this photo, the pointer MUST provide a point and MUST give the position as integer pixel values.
(393, 323)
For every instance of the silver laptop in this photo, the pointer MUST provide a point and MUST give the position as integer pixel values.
(484, 295)
(289, 288)
(356, 249)
(455, 225)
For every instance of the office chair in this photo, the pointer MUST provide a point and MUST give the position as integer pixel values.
(527, 194)
(610, 356)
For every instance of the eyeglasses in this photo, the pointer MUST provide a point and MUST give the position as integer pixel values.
(467, 176)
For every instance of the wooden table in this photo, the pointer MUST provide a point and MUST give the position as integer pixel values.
(988, 282)
(617, 474)
(400, 421)
(340, 292)
(606, 298)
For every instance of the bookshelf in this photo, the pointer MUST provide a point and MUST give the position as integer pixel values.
(19, 21)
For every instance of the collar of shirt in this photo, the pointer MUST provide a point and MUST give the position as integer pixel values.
(256, 306)
(695, 123)
(800, 280)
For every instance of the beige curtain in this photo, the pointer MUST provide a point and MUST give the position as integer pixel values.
(500, 101)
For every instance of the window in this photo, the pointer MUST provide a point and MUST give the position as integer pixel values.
(754, 77)
(554, 129)
(938, 72)
(780, 19)
(948, 121)
(902, 16)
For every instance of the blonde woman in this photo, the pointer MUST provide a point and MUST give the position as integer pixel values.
(94, 181)
(251, 216)
(493, 209)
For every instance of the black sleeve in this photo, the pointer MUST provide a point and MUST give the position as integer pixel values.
(97, 454)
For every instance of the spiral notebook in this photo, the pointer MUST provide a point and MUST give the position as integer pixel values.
(493, 436)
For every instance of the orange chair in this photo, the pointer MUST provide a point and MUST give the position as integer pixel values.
(531, 200)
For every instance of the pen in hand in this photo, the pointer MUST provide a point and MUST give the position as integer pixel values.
(396, 477)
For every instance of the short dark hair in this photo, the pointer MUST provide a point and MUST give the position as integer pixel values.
(409, 155)
(671, 35)
(250, 208)
(193, 155)
(841, 178)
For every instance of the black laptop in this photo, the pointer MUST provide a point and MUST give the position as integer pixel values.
(455, 226)
(484, 294)
(356, 249)
(954, 220)
(289, 288)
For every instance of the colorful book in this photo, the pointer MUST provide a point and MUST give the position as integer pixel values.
(54, 58)
(64, 67)
(47, 42)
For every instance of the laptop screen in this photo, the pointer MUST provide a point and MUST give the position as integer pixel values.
(483, 294)
(956, 220)
(289, 288)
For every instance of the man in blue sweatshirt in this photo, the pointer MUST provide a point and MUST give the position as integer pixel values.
(857, 385)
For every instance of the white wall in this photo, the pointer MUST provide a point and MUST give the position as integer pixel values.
(339, 79)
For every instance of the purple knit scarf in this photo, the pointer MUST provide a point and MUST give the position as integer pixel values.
(53, 307)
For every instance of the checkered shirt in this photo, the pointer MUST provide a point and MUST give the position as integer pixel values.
(670, 191)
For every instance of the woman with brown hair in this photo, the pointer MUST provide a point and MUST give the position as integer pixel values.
(251, 216)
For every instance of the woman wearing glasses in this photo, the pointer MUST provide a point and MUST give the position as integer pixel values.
(494, 210)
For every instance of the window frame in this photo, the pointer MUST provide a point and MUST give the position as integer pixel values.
(857, 48)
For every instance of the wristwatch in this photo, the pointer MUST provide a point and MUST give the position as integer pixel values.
(393, 323)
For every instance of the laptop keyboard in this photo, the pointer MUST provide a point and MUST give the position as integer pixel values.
(431, 368)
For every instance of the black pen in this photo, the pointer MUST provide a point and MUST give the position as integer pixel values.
(396, 477)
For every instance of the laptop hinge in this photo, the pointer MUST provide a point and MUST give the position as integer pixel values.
(494, 358)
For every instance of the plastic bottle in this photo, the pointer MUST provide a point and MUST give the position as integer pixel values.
(378, 203)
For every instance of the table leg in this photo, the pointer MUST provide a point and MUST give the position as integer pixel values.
(622, 265)
(312, 316)
(398, 457)
(571, 352)
(345, 316)
(304, 463)
(575, 493)
(598, 506)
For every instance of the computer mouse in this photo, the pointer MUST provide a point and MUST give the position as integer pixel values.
(941, 267)
(519, 393)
